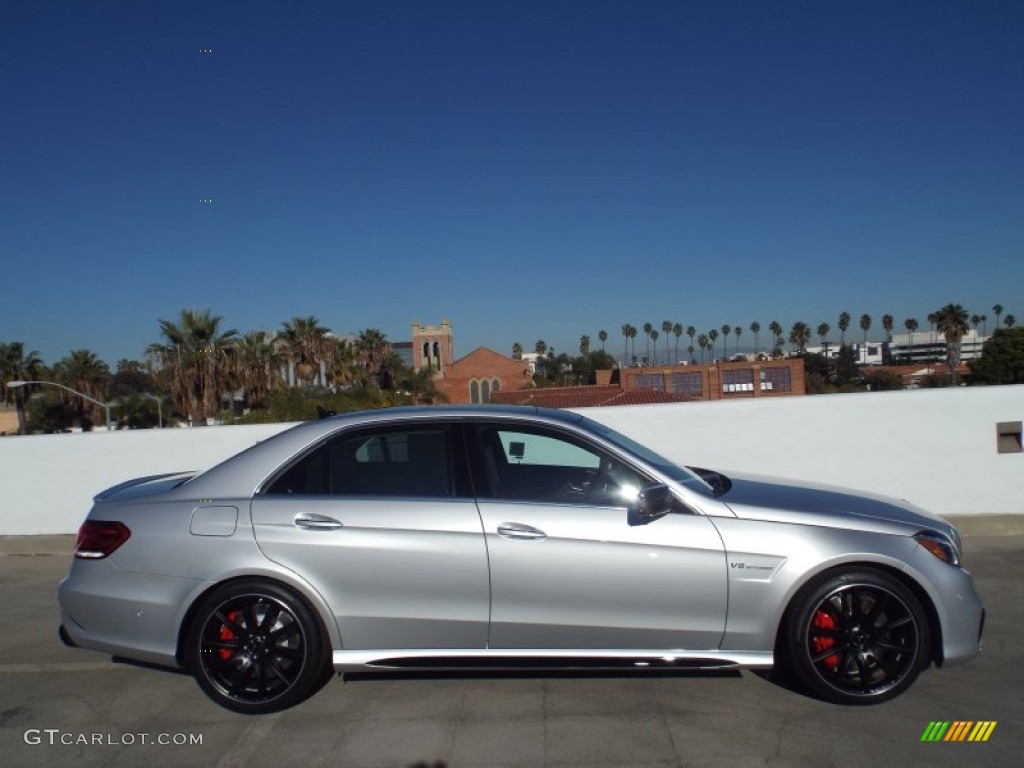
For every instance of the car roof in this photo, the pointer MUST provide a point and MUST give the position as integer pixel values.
(241, 475)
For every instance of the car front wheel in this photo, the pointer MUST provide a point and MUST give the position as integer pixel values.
(857, 636)
(256, 647)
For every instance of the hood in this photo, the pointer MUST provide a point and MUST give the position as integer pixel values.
(756, 498)
(144, 486)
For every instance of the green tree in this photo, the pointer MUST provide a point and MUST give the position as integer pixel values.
(654, 341)
(844, 324)
(1009, 321)
(602, 336)
(951, 321)
(83, 372)
(823, 331)
(887, 322)
(799, 335)
(257, 364)
(737, 331)
(776, 328)
(540, 347)
(307, 345)
(997, 310)
(517, 351)
(865, 325)
(15, 365)
(666, 328)
(691, 332)
(726, 330)
(373, 352)
(702, 342)
(648, 328)
(1002, 359)
(911, 325)
(713, 337)
(755, 328)
(677, 331)
(584, 344)
(192, 363)
(847, 373)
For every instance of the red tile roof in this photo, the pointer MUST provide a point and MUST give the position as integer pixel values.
(585, 396)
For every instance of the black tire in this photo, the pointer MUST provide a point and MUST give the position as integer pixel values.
(256, 647)
(856, 636)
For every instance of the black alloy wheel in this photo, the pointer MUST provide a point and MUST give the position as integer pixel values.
(256, 648)
(857, 637)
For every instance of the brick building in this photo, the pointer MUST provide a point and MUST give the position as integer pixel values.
(476, 377)
(671, 384)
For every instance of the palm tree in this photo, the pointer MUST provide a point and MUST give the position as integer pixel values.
(713, 336)
(647, 332)
(823, 330)
(677, 331)
(911, 325)
(85, 373)
(755, 328)
(625, 343)
(194, 362)
(257, 362)
(517, 350)
(691, 332)
(975, 322)
(887, 321)
(844, 324)
(305, 342)
(540, 347)
(345, 369)
(654, 340)
(865, 325)
(738, 331)
(373, 351)
(584, 344)
(998, 310)
(1009, 321)
(603, 337)
(702, 342)
(632, 340)
(666, 328)
(951, 321)
(776, 328)
(933, 319)
(15, 365)
(984, 325)
(799, 334)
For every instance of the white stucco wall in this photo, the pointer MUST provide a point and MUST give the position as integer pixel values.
(936, 448)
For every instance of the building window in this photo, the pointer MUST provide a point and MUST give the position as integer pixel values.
(650, 381)
(776, 380)
(474, 391)
(485, 391)
(689, 383)
(738, 381)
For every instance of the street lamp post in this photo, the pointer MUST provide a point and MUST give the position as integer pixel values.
(105, 406)
(159, 408)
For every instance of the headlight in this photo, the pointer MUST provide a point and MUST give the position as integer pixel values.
(939, 545)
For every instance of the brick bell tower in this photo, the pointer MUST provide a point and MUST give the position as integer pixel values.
(432, 347)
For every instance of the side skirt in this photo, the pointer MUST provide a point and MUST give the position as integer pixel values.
(530, 659)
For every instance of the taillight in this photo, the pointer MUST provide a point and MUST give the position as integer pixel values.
(99, 538)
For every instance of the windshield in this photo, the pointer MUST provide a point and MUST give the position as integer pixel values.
(681, 475)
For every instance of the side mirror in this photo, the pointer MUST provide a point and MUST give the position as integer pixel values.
(650, 504)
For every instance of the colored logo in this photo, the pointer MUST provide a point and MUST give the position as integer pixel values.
(958, 730)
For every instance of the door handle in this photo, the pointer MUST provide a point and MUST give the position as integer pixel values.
(520, 531)
(311, 522)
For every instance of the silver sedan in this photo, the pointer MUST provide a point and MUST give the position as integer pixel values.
(507, 538)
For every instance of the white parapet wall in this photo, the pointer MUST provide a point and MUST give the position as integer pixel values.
(936, 448)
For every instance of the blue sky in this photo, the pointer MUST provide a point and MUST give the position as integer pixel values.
(530, 169)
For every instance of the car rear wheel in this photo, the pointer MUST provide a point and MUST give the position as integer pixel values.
(256, 647)
(857, 636)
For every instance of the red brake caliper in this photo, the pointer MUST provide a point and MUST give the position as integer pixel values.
(823, 621)
(227, 634)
